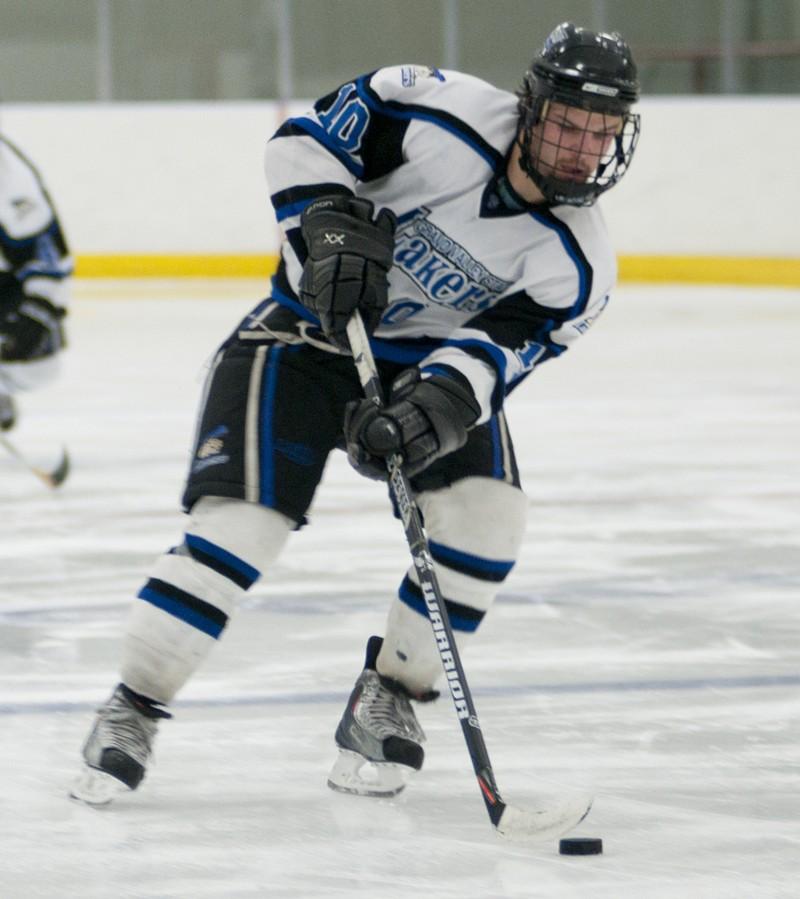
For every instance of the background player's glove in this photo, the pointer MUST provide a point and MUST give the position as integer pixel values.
(350, 252)
(30, 329)
(423, 421)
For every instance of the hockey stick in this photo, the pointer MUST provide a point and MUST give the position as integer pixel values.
(546, 820)
(53, 478)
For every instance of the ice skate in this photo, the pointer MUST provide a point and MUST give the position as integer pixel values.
(379, 738)
(8, 412)
(118, 747)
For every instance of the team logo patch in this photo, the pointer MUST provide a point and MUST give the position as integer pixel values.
(211, 450)
(409, 74)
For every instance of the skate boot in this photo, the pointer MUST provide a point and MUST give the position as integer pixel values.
(8, 412)
(118, 747)
(379, 738)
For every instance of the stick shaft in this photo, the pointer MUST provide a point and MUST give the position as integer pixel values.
(434, 601)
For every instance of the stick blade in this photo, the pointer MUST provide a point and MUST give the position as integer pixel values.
(547, 820)
(59, 474)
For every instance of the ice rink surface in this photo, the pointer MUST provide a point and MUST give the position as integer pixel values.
(645, 648)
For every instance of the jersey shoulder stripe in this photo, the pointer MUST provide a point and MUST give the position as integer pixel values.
(575, 252)
(434, 115)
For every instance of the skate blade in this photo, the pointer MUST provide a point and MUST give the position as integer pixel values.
(352, 773)
(96, 788)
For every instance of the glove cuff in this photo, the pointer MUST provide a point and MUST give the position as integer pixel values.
(455, 389)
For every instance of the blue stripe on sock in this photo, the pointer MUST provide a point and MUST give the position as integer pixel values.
(467, 563)
(179, 610)
(411, 595)
(227, 559)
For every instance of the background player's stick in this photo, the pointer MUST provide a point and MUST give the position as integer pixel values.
(53, 478)
(546, 819)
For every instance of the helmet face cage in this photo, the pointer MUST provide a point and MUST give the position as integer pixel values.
(573, 157)
(545, 148)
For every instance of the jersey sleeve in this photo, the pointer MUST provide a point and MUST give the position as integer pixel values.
(342, 140)
(503, 345)
(540, 318)
(356, 134)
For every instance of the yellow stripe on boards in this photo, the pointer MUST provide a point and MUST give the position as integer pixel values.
(742, 270)
(767, 271)
(163, 265)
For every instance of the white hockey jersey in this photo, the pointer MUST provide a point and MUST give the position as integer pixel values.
(482, 282)
(34, 260)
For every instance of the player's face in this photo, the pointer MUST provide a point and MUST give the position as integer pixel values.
(569, 143)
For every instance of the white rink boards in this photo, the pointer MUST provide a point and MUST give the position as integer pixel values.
(645, 648)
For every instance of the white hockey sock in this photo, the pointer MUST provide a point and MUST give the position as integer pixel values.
(183, 608)
(475, 528)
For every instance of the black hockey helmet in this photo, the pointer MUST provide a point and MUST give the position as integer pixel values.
(587, 70)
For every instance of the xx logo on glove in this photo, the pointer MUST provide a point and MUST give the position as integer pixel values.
(334, 239)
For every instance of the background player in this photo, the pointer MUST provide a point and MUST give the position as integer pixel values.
(34, 273)
(460, 220)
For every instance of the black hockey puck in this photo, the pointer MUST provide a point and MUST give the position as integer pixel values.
(580, 846)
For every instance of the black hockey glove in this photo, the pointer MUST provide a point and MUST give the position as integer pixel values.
(30, 329)
(350, 253)
(423, 421)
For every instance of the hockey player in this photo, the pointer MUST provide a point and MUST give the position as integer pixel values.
(460, 220)
(34, 272)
